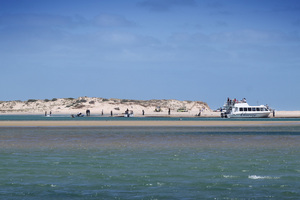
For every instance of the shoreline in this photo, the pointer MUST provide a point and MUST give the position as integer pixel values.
(144, 123)
(162, 115)
(278, 114)
(96, 106)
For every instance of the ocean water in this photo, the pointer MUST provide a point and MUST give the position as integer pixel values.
(150, 162)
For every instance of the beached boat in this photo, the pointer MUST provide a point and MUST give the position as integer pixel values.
(241, 109)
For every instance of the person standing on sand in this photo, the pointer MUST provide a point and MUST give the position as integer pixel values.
(127, 113)
(169, 112)
(199, 114)
(143, 112)
(111, 113)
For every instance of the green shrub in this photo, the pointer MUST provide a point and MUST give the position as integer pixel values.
(125, 100)
(31, 100)
(81, 101)
(79, 106)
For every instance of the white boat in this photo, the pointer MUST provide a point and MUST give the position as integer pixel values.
(241, 109)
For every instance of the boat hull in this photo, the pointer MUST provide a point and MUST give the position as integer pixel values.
(249, 115)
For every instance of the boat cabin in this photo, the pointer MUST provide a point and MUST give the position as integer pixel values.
(244, 107)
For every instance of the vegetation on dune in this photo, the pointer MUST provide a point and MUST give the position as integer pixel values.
(34, 105)
(31, 100)
(78, 106)
(81, 101)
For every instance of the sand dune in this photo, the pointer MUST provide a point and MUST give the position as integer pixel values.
(99, 106)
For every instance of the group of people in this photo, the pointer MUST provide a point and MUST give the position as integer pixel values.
(229, 101)
(127, 112)
(87, 112)
(50, 113)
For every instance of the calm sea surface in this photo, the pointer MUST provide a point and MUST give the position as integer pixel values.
(150, 162)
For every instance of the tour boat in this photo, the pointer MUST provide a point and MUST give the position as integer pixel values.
(241, 109)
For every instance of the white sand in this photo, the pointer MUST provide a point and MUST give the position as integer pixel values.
(68, 106)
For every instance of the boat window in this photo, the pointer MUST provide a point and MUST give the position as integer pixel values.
(249, 109)
(241, 109)
(257, 109)
(253, 109)
(245, 109)
(236, 109)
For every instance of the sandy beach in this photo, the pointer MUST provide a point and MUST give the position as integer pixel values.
(144, 123)
(117, 107)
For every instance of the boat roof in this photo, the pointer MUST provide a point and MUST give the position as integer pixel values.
(245, 105)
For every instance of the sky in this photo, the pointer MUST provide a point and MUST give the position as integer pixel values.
(199, 50)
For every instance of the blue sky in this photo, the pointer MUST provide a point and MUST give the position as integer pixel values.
(204, 50)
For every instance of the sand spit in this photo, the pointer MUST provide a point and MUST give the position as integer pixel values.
(117, 107)
(99, 106)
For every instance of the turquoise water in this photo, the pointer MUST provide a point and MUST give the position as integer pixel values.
(150, 162)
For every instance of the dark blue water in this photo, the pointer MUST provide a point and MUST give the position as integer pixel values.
(150, 162)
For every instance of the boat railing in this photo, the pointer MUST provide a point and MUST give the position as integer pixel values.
(235, 101)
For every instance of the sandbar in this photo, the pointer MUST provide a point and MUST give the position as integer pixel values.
(144, 123)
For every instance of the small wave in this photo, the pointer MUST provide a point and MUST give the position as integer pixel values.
(262, 177)
(229, 176)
